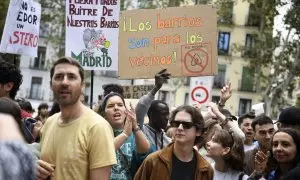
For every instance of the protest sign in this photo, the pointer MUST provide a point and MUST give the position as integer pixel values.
(136, 91)
(200, 90)
(21, 30)
(180, 39)
(92, 29)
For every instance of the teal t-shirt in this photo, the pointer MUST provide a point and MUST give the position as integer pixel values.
(128, 161)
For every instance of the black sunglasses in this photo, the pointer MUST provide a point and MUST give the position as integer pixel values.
(185, 125)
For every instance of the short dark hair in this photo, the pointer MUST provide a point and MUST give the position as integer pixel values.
(43, 106)
(197, 119)
(261, 120)
(67, 60)
(10, 73)
(25, 105)
(154, 105)
(250, 115)
(290, 116)
(54, 109)
(296, 137)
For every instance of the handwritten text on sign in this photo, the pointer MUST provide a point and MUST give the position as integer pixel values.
(184, 43)
(21, 31)
(136, 91)
(92, 33)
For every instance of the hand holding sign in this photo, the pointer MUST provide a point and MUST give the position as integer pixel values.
(161, 77)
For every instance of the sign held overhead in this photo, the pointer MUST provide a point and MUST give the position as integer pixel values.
(184, 43)
(22, 27)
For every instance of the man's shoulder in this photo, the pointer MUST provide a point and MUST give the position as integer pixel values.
(153, 157)
(94, 123)
(92, 117)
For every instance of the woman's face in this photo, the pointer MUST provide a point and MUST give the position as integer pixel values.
(284, 147)
(214, 149)
(115, 112)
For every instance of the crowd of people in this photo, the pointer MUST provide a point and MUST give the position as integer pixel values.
(113, 141)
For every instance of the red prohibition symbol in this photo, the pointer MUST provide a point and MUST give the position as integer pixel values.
(201, 88)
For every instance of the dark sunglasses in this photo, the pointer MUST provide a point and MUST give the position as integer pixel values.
(185, 125)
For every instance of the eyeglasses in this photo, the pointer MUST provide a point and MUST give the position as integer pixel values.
(185, 125)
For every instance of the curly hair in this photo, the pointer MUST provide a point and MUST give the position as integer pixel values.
(197, 119)
(10, 73)
(234, 159)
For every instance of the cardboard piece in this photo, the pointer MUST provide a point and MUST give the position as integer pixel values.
(181, 39)
(92, 29)
(136, 91)
(22, 28)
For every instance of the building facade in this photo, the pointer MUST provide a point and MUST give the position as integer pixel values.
(238, 26)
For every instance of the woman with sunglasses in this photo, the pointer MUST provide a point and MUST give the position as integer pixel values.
(131, 144)
(179, 160)
(227, 151)
(286, 151)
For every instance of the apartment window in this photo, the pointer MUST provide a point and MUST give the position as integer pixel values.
(223, 43)
(247, 83)
(219, 80)
(186, 98)
(215, 99)
(39, 61)
(244, 106)
(254, 15)
(250, 40)
(163, 96)
(36, 88)
(249, 45)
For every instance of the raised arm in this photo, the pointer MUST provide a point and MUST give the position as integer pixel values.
(142, 143)
(145, 101)
(121, 138)
(227, 124)
(226, 93)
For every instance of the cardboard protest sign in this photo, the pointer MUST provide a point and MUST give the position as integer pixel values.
(136, 91)
(92, 29)
(181, 39)
(200, 90)
(21, 30)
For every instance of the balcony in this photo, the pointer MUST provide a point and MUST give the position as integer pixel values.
(247, 86)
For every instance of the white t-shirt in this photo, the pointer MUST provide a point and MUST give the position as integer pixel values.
(228, 175)
(249, 148)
